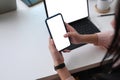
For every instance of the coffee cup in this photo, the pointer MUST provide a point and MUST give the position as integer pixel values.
(103, 6)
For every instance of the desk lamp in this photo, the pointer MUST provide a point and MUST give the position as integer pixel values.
(31, 2)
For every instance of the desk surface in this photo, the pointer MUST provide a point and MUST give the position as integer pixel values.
(24, 53)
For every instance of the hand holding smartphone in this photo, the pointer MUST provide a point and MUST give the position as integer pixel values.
(57, 29)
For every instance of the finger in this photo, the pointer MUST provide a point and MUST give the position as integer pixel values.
(69, 27)
(66, 51)
(51, 43)
(61, 54)
(113, 23)
(69, 34)
(66, 35)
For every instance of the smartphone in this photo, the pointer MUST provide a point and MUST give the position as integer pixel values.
(57, 28)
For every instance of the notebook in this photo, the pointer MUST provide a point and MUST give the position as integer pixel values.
(75, 12)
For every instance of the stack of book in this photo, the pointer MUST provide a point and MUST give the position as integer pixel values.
(31, 2)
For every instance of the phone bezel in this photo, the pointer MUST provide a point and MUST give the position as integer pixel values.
(63, 23)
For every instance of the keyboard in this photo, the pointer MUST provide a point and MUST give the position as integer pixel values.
(84, 26)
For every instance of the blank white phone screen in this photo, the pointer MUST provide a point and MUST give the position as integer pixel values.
(57, 29)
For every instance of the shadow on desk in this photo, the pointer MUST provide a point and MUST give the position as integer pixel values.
(84, 73)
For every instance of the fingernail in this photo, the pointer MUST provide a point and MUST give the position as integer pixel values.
(65, 35)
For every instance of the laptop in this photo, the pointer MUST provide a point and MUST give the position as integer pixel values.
(75, 12)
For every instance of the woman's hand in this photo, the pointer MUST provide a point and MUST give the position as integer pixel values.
(56, 55)
(75, 37)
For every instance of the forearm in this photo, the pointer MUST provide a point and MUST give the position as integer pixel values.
(58, 60)
(89, 38)
(64, 74)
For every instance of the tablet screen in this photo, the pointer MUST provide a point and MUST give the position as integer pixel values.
(71, 10)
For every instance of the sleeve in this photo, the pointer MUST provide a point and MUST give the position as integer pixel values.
(105, 38)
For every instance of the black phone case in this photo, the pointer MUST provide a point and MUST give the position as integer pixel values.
(49, 29)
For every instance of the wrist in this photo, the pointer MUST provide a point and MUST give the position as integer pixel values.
(60, 66)
(63, 73)
(56, 63)
(82, 38)
(91, 38)
(70, 78)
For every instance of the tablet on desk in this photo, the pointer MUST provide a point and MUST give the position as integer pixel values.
(57, 29)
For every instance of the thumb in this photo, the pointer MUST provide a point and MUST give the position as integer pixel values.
(69, 34)
(51, 43)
